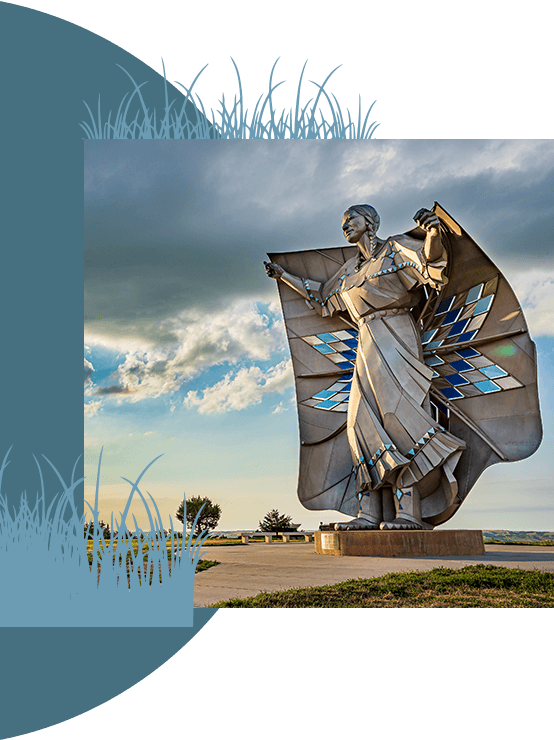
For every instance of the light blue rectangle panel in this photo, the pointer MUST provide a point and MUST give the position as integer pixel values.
(474, 294)
(324, 394)
(327, 337)
(487, 386)
(326, 404)
(483, 305)
(493, 371)
(434, 360)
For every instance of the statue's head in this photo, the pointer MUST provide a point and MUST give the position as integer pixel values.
(358, 220)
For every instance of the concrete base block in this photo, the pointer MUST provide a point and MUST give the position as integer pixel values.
(401, 544)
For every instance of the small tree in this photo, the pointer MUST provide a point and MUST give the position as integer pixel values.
(209, 516)
(275, 522)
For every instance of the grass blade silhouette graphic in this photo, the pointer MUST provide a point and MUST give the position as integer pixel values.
(45, 575)
(309, 121)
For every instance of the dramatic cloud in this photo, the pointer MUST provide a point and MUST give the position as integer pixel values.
(243, 389)
(177, 226)
(89, 370)
(242, 333)
(176, 233)
(535, 291)
(91, 409)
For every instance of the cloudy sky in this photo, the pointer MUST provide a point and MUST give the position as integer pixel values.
(185, 353)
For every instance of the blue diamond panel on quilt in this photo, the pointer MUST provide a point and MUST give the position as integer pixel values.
(467, 372)
(464, 372)
(459, 318)
(340, 347)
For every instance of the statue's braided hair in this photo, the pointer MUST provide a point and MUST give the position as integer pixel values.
(372, 220)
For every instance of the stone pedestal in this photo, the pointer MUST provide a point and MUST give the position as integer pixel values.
(401, 544)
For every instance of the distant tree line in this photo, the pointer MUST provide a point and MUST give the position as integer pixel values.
(209, 514)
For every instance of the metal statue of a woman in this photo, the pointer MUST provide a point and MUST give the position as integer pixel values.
(414, 370)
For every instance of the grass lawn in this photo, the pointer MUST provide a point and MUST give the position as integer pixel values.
(535, 543)
(205, 564)
(487, 586)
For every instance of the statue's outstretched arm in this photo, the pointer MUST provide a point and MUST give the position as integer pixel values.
(307, 288)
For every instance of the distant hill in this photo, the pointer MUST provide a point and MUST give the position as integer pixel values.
(505, 535)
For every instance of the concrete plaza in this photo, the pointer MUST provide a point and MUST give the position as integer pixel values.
(246, 570)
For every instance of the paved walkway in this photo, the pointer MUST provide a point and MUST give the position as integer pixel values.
(250, 569)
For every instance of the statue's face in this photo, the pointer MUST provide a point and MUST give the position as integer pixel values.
(353, 226)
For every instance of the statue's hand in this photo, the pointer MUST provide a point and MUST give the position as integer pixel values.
(273, 271)
(428, 221)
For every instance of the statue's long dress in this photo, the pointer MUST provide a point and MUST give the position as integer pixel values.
(394, 440)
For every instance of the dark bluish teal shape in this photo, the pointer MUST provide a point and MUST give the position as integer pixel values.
(67, 675)
(48, 68)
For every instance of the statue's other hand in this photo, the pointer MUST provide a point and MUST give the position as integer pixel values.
(428, 221)
(272, 270)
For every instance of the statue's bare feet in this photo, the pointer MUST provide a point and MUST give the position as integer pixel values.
(358, 523)
(401, 524)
